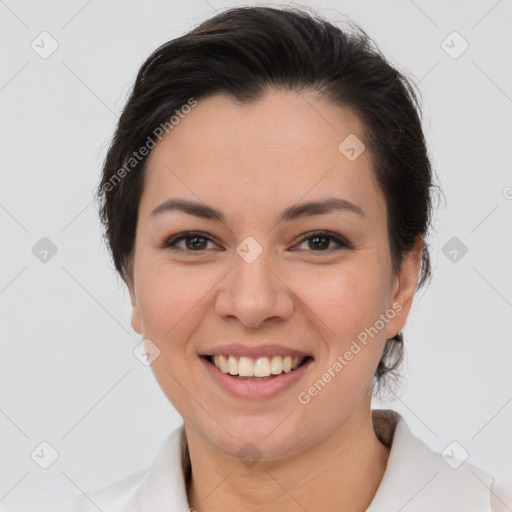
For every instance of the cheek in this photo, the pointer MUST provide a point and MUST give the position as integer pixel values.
(169, 303)
(348, 299)
(166, 297)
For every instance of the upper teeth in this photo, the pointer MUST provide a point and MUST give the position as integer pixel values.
(260, 367)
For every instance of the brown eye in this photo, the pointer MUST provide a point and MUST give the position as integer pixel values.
(193, 242)
(320, 241)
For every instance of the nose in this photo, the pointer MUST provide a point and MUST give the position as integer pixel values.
(254, 293)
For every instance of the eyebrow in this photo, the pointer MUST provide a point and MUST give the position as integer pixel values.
(288, 214)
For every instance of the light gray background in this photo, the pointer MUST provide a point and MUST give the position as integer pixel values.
(67, 372)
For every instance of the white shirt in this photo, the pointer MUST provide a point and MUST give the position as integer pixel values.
(416, 479)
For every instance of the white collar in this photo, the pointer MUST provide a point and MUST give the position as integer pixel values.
(416, 477)
(419, 479)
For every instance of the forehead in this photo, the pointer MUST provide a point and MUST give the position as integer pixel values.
(270, 153)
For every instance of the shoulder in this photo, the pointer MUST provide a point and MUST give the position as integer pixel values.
(501, 496)
(162, 484)
(421, 479)
(108, 499)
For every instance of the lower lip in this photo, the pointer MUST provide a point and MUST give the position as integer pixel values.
(255, 389)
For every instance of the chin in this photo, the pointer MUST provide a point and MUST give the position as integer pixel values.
(257, 438)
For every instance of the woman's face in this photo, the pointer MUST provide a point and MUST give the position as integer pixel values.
(248, 286)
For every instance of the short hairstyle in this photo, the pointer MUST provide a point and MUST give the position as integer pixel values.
(242, 53)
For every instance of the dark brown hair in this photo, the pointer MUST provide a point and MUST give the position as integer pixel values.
(242, 52)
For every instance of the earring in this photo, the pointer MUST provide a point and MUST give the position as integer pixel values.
(399, 337)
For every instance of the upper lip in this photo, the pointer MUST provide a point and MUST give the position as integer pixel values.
(253, 351)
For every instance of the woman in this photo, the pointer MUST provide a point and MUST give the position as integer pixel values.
(266, 199)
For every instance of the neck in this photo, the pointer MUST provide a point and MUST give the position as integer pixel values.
(342, 471)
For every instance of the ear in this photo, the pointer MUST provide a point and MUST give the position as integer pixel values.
(404, 287)
(135, 319)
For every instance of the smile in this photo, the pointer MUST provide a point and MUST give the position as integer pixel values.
(259, 367)
(255, 377)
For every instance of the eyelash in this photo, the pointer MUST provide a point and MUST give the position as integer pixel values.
(342, 243)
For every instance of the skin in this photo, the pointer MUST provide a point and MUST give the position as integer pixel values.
(251, 162)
